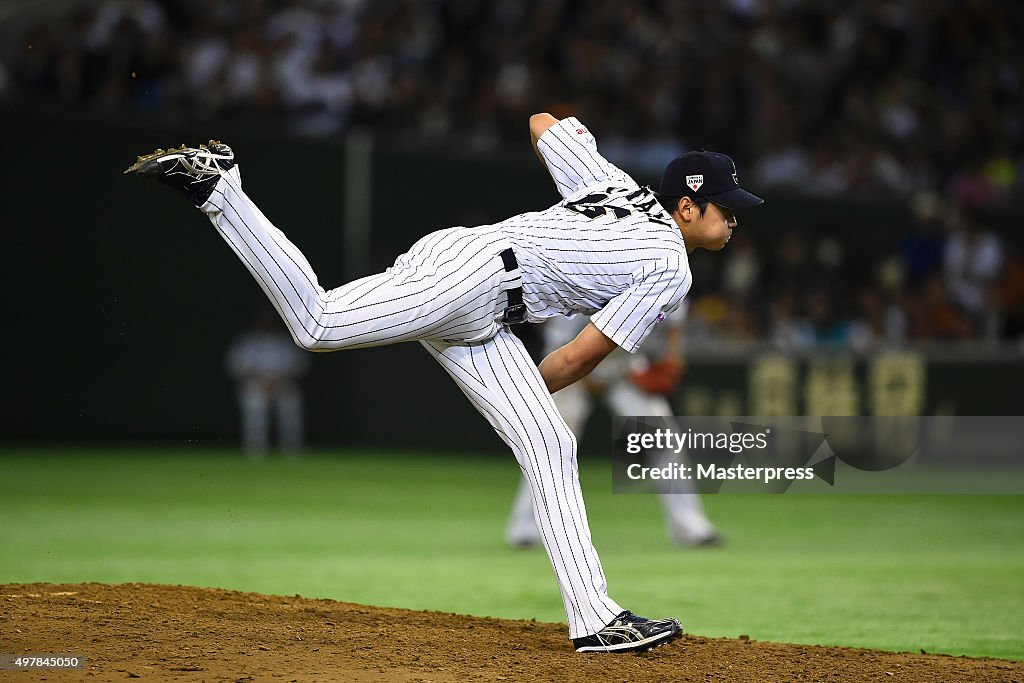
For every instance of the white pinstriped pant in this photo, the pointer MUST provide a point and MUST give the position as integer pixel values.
(446, 293)
(684, 513)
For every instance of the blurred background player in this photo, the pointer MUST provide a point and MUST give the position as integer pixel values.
(636, 385)
(267, 366)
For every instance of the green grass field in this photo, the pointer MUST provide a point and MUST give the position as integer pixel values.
(939, 573)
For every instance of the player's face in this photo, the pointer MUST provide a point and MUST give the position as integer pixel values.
(713, 229)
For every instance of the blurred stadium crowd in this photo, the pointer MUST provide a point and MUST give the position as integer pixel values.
(903, 99)
(949, 280)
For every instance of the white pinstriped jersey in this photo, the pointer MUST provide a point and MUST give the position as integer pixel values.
(608, 249)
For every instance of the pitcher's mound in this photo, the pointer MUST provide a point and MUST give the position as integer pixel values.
(183, 633)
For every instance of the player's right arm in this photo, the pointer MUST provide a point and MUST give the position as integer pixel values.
(674, 337)
(569, 152)
(658, 289)
(574, 361)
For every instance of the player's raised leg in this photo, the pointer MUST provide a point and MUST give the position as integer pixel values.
(412, 300)
(500, 379)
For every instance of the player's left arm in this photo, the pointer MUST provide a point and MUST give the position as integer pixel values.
(539, 124)
(575, 360)
(569, 152)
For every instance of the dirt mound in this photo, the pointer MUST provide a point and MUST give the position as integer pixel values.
(183, 633)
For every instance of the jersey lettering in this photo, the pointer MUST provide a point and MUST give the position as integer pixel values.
(598, 204)
(590, 207)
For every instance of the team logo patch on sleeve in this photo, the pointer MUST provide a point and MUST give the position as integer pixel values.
(695, 181)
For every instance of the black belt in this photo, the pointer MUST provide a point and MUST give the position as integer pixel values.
(515, 312)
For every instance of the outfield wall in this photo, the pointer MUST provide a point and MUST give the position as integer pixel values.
(121, 301)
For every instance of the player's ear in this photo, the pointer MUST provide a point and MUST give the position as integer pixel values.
(683, 204)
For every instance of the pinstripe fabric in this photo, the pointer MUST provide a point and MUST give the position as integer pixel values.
(500, 380)
(608, 249)
(570, 154)
(684, 512)
(447, 286)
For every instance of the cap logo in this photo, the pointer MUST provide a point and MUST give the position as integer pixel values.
(735, 179)
(695, 181)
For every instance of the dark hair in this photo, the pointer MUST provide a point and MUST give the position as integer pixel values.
(670, 203)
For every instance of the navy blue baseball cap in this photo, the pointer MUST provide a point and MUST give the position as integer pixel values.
(706, 175)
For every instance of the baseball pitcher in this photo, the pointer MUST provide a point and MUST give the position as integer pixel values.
(610, 249)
